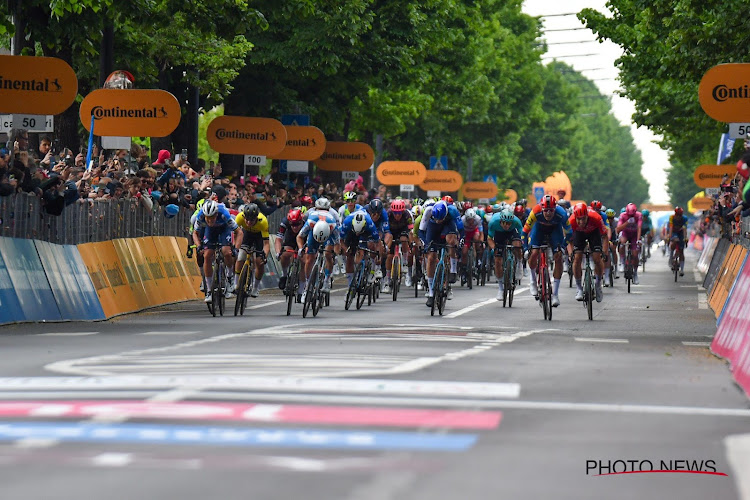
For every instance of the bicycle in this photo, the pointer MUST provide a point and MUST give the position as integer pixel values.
(509, 274)
(566, 257)
(246, 280)
(588, 284)
(441, 285)
(643, 256)
(396, 271)
(674, 258)
(630, 265)
(418, 274)
(544, 283)
(314, 295)
(488, 268)
(292, 282)
(219, 284)
(361, 286)
(470, 267)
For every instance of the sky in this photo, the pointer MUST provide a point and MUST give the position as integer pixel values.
(597, 62)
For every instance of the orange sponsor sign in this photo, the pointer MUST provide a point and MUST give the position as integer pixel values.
(724, 92)
(476, 190)
(701, 203)
(131, 113)
(707, 176)
(394, 173)
(243, 135)
(346, 156)
(443, 180)
(36, 85)
(303, 143)
(651, 207)
(510, 195)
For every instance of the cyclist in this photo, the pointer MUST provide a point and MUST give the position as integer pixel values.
(356, 229)
(473, 235)
(647, 228)
(215, 225)
(629, 227)
(401, 225)
(311, 231)
(677, 235)
(255, 228)
(611, 266)
(505, 227)
(286, 238)
(437, 224)
(350, 205)
(547, 220)
(379, 216)
(588, 226)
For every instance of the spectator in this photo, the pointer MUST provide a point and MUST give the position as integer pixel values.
(164, 155)
(136, 189)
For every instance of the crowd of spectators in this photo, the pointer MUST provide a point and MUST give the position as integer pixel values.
(58, 175)
(725, 216)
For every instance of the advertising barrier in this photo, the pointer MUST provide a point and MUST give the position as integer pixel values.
(36, 85)
(709, 246)
(445, 181)
(395, 173)
(180, 282)
(342, 156)
(10, 306)
(131, 112)
(726, 277)
(243, 135)
(716, 261)
(732, 340)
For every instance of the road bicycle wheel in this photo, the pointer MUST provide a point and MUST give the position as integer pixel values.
(470, 265)
(588, 294)
(216, 291)
(443, 297)
(396, 276)
(363, 291)
(512, 289)
(318, 296)
(676, 267)
(612, 267)
(291, 286)
(506, 280)
(239, 307)
(310, 291)
(542, 289)
(547, 297)
(436, 284)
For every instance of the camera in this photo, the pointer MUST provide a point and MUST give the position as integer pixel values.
(69, 161)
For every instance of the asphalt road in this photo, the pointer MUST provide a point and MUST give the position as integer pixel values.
(383, 403)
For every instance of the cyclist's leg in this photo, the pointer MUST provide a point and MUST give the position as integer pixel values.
(535, 241)
(390, 247)
(432, 236)
(579, 245)
(557, 239)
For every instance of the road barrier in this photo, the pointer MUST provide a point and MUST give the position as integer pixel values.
(726, 277)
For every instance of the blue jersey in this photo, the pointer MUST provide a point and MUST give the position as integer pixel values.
(223, 219)
(370, 232)
(603, 214)
(382, 223)
(454, 214)
(313, 218)
(495, 226)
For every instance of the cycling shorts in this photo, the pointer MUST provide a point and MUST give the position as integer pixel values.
(594, 238)
(539, 234)
(436, 233)
(501, 238)
(216, 235)
(252, 241)
(469, 238)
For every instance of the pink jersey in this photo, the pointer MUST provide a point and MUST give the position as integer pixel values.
(633, 226)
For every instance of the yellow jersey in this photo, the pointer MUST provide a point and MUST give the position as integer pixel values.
(260, 226)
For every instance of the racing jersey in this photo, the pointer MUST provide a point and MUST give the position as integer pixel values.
(677, 223)
(646, 225)
(260, 226)
(633, 223)
(404, 225)
(314, 217)
(370, 231)
(495, 226)
(344, 211)
(223, 219)
(472, 224)
(284, 225)
(382, 223)
(602, 216)
(537, 217)
(456, 215)
(593, 223)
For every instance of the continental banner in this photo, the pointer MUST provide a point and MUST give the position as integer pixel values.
(446, 181)
(395, 173)
(36, 85)
(243, 135)
(477, 190)
(709, 176)
(342, 156)
(131, 112)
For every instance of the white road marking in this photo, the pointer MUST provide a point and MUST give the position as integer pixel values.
(610, 341)
(176, 332)
(27, 443)
(697, 344)
(478, 305)
(738, 455)
(112, 459)
(702, 301)
(66, 334)
(266, 304)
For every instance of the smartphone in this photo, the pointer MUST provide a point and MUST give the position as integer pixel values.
(184, 155)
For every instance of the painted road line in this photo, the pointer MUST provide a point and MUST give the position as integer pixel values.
(205, 410)
(697, 344)
(225, 436)
(266, 304)
(702, 301)
(176, 332)
(112, 460)
(66, 334)
(477, 306)
(297, 384)
(738, 455)
(610, 341)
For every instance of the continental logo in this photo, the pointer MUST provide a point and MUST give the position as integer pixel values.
(439, 181)
(31, 85)
(115, 277)
(301, 143)
(100, 112)
(393, 171)
(710, 176)
(223, 134)
(343, 156)
(721, 93)
(724, 92)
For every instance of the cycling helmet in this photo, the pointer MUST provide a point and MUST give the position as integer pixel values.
(350, 196)
(645, 213)
(631, 209)
(622, 210)
(596, 205)
(678, 210)
(548, 202)
(303, 209)
(306, 200)
(211, 208)
(417, 201)
(439, 210)
(488, 209)
(610, 213)
(743, 169)
(417, 210)
(321, 231)
(468, 205)
(323, 203)
(470, 213)
(581, 210)
(448, 199)
(522, 201)
(251, 211)
(506, 216)
(564, 203)
(428, 203)
(294, 216)
(359, 221)
(375, 206)
(497, 207)
(398, 206)
(519, 210)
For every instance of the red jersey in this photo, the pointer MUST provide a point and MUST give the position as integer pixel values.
(594, 222)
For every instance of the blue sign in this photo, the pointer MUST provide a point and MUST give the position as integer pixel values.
(227, 436)
(725, 148)
(439, 164)
(490, 178)
(538, 193)
(296, 120)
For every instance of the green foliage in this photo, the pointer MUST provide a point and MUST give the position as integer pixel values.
(204, 150)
